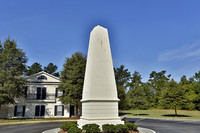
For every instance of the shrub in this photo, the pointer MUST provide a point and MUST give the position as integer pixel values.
(66, 126)
(74, 130)
(109, 128)
(130, 126)
(91, 128)
(120, 128)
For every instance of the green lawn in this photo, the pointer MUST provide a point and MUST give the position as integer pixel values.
(162, 113)
(154, 113)
(41, 119)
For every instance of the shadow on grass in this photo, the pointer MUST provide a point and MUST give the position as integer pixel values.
(130, 120)
(140, 114)
(173, 115)
(120, 114)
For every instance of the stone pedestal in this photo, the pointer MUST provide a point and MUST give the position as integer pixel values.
(99, 100)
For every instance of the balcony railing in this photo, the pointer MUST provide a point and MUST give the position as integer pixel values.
(47, 96)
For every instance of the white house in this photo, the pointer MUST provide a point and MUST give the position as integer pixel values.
(41, 100)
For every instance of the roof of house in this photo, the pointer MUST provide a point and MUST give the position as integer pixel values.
(50, 78)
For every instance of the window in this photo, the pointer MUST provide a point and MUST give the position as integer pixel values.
(25, 91)
(19, 111)
(58, 92)
(42, 77)
(59, 110)
(39, 110)
(41, 93)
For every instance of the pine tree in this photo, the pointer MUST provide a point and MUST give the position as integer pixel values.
(72, 77)
(12, 67)
(50, 68)
(34, 68)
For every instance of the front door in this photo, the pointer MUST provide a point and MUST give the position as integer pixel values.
(71, 110)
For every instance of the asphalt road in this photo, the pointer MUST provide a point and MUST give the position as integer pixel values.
(29, 127)
(160, 126)
(167, 126)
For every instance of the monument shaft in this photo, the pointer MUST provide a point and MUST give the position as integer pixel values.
(99, 100)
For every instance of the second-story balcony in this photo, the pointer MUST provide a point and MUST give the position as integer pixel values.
(46, 97)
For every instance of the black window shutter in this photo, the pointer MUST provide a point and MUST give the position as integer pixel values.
(38, 93)
(43, 93)
(25, 92)
(37, 110)
(23, 113)
(15, 111)
(62, 110)
(55, 110)
(56, 92)
(42, 113)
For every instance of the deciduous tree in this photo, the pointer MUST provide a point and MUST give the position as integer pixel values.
(173, 96)
(137, 98)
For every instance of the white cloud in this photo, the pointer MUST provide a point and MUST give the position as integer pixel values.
(191, 50)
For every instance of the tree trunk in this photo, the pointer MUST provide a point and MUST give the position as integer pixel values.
(175, 112)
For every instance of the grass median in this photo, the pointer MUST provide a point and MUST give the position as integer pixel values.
(162, 113)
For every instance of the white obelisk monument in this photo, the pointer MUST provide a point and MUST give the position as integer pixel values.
(99, 100)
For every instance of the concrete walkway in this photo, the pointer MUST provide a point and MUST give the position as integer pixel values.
(141, 130)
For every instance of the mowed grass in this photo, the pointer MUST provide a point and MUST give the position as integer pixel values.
(162, 113)
(35, 119)
(153, 113)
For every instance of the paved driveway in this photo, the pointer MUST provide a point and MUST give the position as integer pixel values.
(29, 127)
(160, 126)
(168, 126)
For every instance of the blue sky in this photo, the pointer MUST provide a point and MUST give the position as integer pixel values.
(144, 35)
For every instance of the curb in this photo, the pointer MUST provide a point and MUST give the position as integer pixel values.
(55, 130)
(141, 130)
(145, 130)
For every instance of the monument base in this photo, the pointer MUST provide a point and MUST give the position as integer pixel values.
(100, 122)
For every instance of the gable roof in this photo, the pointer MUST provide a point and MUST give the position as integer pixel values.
(44, 73)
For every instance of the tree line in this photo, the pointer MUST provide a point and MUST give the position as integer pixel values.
(37, 67)
(160, 91)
